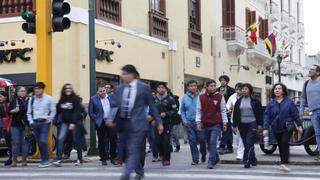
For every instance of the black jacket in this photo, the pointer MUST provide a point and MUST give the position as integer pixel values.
(230, 92)
(167, 105)
(257, 110)
(69, 109)
(19, 119)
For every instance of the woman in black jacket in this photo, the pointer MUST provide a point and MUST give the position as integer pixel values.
(248, 117)
(18, 110)
(68, 118)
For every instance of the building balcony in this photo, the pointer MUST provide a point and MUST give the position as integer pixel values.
(300, 31)
(274, 12)
(284, 20)
(195, 40)
(292, 25)
(235, 37)
(259, 51)
(158, 26)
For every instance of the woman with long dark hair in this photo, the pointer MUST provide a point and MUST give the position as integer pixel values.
(68, 118)
(248, 117)
(282, 118)
(18, 110)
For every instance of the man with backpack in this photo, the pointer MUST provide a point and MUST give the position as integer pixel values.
(41, 112)
(310, 98)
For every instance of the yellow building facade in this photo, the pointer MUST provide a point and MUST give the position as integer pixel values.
(167, 40)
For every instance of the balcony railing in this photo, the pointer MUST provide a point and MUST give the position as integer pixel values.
(195, 40)
(292, 24)
(235, 36)
(158, 26)
(285, 19)
(258, 50)
(10, 8)
(274, 12)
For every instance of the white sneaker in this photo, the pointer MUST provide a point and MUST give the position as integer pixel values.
(57, 163)
(78, 163)
(284, 168)
(45, 165)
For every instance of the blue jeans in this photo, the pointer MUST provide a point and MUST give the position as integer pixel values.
(41, 132)
(174, 135)
(227, 138)
(212, 134)
(248, 134)
(152, 140)
(62, 134)
(19, 142)
(315, 118)
(195, 136)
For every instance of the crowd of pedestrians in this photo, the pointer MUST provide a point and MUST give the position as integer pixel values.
(125, 117)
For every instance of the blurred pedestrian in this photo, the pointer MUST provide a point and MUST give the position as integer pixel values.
(18, 110)
(68, 117)
(175, 122)
(41, 112)
(211, 114)
(230, 106)
(282, 118)
(188, 115)
(131, 100)
(6, 123)
(226, 143)
(248, 118)
(310, 98)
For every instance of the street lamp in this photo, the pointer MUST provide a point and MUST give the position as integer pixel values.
(279, 60)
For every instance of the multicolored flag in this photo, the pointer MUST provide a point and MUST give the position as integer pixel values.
(252, 29)
(271, 44)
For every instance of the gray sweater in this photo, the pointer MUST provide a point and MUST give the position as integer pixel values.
(247, 115)
(312, 94)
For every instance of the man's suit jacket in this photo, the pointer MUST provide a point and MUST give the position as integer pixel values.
(95, 109)
(138, 113)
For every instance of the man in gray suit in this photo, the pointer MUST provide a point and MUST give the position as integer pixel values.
(130, 110)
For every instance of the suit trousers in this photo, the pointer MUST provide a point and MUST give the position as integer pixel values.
(107, 142)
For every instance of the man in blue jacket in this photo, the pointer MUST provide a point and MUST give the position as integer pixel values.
(188, 115)
(100, 111)
(129, 114)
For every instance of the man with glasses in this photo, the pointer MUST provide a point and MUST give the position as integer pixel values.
(109, 88)
(41, 112)
(310, 98)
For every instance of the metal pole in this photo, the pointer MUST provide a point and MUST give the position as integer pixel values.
(279, 67)
(93, 148)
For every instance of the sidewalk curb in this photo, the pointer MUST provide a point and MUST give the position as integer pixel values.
(296, 163)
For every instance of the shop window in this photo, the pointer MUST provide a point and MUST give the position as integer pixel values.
(195, 35)
(228, 13)
(11, 8)
(109, 10)
(158, 23)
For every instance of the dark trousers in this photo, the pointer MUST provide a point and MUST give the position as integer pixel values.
(152, 140)
(248, 134)
(7, 137)
(227, 138)
(283, 143)
(107, 142)
(163, 143)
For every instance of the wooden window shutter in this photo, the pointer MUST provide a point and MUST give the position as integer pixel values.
(248, 18)
(198, 15)
(266, 28)
(232, 13)
(261, 27)
(253, 17)
(163, 6)
(224, 13)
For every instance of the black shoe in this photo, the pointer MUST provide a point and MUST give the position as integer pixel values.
(203, 159)
(104, 163)
(8, 162)
(138, 177)
(221, 151)
(247, 166)
(194, 163)
(210, 166)
(124, 177)
(177, 149)
(228, 151)
(171, 148)
(255, 162)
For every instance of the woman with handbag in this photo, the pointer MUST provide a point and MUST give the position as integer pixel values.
(68, 118)
(282, 117)
(19, 125)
